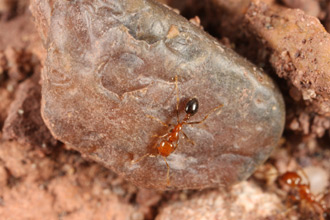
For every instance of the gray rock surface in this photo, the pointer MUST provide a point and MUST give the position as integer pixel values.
(111, 63)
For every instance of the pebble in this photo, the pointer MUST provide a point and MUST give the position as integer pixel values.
(111, 64)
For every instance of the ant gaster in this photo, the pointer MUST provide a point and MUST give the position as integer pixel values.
(300, 192)
(170, 140)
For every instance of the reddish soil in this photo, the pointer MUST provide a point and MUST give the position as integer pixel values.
(41, 178)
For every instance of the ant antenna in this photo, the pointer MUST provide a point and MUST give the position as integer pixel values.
(206, 116)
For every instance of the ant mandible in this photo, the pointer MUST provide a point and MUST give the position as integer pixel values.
(170, 140)
(300, 191)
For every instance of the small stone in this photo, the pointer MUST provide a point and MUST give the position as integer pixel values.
(318, 178)
(245, 201)
(20, 111)
(196, 21)
(173, 32)
(111, 65)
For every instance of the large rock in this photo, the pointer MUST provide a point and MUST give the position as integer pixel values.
(111, 63)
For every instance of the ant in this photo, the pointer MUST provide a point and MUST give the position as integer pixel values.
(300, 192)
(170, 140)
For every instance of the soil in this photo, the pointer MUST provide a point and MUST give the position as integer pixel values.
(41, 178)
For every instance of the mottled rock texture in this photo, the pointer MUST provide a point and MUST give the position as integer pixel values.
(290, 42)
(112, 63)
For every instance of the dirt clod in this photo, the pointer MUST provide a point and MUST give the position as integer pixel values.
(24, 122)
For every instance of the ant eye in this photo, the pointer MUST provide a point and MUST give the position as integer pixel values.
(192, 106)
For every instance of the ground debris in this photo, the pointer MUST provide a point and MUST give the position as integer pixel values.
(58, 183)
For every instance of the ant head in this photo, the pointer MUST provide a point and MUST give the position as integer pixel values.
(291, 179)
(192, 106)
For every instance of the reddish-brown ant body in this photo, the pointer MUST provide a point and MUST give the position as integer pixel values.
(170, 140)
(300, 192)
(167, 146)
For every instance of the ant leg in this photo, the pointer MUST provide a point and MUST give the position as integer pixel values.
(160, 136)
(323, 194)
(199, 122)
(305, 176)
(177, 99)
(176, 145)
(141, 158)
(288, 210)
(187, 138)
(318, 208)
(157, 119)
(320, 199)
(168, 173)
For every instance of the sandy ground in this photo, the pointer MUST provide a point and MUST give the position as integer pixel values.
(41, 178)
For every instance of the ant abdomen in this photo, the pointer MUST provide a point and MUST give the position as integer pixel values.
(192, 106)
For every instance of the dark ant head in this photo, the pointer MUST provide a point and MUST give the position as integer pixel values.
(192, 106)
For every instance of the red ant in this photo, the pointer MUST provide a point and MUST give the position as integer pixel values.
(170, 140)
(300, 192)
